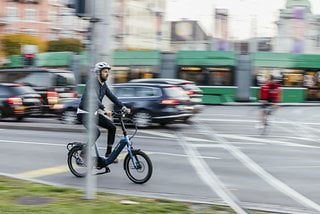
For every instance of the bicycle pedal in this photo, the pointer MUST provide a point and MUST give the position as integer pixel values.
(107, 170)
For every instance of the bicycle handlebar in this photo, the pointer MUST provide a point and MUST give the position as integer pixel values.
(120, 113)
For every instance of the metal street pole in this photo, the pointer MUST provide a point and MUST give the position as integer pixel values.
(91, 180)
(100, 13)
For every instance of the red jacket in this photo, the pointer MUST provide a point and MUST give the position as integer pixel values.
(270, 91)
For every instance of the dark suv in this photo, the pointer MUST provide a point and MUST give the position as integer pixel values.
(18, 101)
(154, 103)
(150, 103)
(191, 89)
(54, 85)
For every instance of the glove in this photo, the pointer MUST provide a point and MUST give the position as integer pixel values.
(125, 110)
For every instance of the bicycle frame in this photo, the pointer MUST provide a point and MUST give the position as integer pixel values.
(135, 161)
(125, 141)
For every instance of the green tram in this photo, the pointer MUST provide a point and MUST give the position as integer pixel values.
(220, 74)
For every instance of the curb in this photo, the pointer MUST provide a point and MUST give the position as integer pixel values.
(43, 127)
(280, 104)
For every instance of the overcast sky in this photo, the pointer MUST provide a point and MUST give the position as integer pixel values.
(242, 14)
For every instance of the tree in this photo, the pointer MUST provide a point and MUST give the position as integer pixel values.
(11, 43)
(65, 44)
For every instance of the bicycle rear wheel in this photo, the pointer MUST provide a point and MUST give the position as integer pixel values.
(142, 171)
(77, 161)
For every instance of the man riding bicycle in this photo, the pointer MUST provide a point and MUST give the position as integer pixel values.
(270, 94)
(101, 71)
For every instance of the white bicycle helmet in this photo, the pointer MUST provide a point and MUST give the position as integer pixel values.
(101, 65)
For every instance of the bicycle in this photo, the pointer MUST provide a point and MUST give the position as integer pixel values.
(137, 164)
(268, 110)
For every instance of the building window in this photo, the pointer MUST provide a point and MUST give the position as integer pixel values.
(12, 12)
(30, 14)
(51, 16)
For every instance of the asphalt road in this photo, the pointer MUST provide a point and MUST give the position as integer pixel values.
(219, 158)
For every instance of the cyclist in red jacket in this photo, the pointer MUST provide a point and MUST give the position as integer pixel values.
(270, 94)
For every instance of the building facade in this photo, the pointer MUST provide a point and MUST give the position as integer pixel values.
(49, 19)
(140, 25)
(188, 35)
(298, 29)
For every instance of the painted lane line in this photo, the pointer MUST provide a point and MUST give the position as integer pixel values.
(33, 143)
(208, 176)
(100, 148)
(44, 172)
(305, 126)
(157, 133)
(171, 136)
(53, 170)
(300, 129)
(250, 121)
(254, 167)
(182, 155)
(268, 141)
(294, 167)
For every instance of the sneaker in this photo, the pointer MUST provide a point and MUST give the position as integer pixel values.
(115, 160)
(100, 163)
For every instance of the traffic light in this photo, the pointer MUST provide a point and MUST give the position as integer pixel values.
(29, 59)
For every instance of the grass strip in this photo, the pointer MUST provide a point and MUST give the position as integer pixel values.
(24, 197)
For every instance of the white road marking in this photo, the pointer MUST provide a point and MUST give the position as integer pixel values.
(254, 167)
(167, 135)
(157, 133)
(269, 141)
(297, 129)
(182, 155)
(208, 176)
(100, 148)
(252, 121)
(33, 143)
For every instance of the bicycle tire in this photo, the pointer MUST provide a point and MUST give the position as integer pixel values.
(145, 167)
(76, 162)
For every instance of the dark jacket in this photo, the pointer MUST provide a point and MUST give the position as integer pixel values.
(99, 92)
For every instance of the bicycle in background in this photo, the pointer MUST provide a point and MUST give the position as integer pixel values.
(267, 111)
(137, 164)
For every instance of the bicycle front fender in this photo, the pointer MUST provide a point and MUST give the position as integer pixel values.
(73, 144)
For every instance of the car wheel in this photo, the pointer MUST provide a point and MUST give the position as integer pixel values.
(19, 118)
(69, 117)
(142, 119)
(163, 124)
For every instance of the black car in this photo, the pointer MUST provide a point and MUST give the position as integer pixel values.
(154, 103)
(68, 111)
(54, 85)
(191, 89)
(18, 101)
(149, 103)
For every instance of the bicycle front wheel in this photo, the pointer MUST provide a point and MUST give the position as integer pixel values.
(141, 171)
(77, 161)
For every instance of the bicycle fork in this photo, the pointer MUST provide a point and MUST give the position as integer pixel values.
(133, 157)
